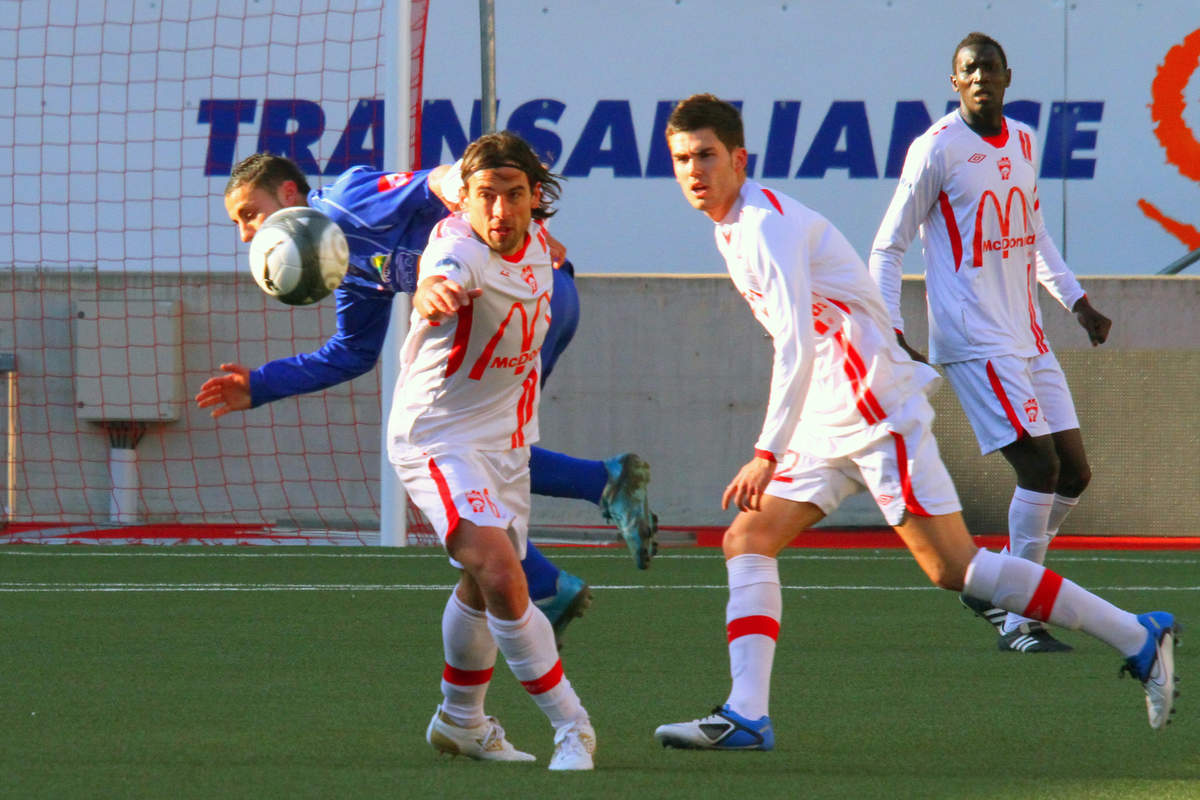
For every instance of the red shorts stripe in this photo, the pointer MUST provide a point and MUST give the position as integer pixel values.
(466, 677)
(443, 488)
(1042, 602)
(747, 626)
(998, 389)
(547, 681)
(910, 499)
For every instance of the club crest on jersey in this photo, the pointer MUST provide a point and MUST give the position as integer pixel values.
(382, 263)
(529, 278)
(975, 159)
(1005, 167)
(393, 180)
(1031, 409)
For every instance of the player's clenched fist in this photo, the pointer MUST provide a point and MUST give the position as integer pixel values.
(438, 298)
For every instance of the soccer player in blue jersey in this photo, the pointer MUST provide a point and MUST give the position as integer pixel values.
(387, 218)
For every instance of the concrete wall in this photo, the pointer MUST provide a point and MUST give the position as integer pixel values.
(672, 367)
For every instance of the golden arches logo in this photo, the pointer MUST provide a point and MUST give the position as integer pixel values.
(1178, 140)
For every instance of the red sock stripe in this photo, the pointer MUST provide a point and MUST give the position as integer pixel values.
(1042, 602)
(466, 677)
(746, 626)
(547, 681)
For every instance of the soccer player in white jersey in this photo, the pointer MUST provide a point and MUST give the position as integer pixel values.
(969, 188)
(463, 418)
(846, 410)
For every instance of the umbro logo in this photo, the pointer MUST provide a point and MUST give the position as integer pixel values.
(975, 159)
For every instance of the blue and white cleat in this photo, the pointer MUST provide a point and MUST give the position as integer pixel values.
(624, 502)
(724, 729)
(1154, 666)
(570, 600)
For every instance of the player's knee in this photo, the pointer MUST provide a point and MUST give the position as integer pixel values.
(1072, 481)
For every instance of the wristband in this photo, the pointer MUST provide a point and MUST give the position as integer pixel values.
(764, 454)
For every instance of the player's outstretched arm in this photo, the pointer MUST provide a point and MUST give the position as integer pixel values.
(438, 298)
(225, 393)
(1096, 324)
(746, 489)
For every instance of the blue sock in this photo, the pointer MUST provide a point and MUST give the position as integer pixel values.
(556, 475)
(540, 574)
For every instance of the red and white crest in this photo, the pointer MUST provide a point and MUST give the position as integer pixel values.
(475, 498)
(1005, 168)
(393, 180)
(529, 278)
(1031, 409)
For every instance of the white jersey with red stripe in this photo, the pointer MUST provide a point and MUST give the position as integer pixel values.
(474, 380)
(838, 372)
(974, 202)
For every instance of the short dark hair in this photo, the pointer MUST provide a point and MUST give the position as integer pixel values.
(507, 149)
(708, 111)
(266, 171)
(976, 39)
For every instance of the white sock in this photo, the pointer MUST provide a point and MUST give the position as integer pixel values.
(528, 647)
(1015, 584)
(1028, 515)
(752, 625)
(1058, 512)
(470, 655)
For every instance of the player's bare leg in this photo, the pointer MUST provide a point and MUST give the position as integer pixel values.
(751, 545)
(947, 554)
(492, 578)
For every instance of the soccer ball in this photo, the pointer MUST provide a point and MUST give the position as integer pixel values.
(299, 255)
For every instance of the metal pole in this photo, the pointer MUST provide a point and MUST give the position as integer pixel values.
(393, 501)
(1179, 265)
(8, 365)
(487, 62)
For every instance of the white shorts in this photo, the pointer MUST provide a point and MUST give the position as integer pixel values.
(1008, 397)
(901, 469)
(489, 488)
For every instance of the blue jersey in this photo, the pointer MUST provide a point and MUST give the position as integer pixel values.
(387, 218)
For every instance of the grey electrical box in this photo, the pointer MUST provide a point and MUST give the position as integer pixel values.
(128, 360)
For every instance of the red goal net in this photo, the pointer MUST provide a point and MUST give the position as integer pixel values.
(123, 283)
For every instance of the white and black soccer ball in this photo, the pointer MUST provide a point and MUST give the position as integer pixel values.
(298, 255)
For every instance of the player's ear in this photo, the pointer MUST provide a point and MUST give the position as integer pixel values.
(290, 195)
(740, 159)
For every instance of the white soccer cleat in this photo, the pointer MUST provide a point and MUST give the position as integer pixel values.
(1154, 666)
(484, 742)
(574, 746)
(724, 729)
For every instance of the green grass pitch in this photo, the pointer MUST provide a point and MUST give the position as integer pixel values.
(181, 672)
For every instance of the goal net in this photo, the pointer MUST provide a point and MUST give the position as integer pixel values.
(123, 284)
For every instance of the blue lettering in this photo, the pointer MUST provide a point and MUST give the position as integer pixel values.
(909, 120)
(658, 161)
(781, 139)
(273, 136)
(612, 120)
(1027, 111)
(546, 143)
(858, 158)
(224, 117)
(367, 118)
(1064, 137)
(439, 123)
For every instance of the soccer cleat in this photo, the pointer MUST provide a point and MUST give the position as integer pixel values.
(484, 742)
(1154, 666)
(570, 600)
(724, 729)
(574, 746)
(1031, 637)
(985, 611)
(624, 503)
